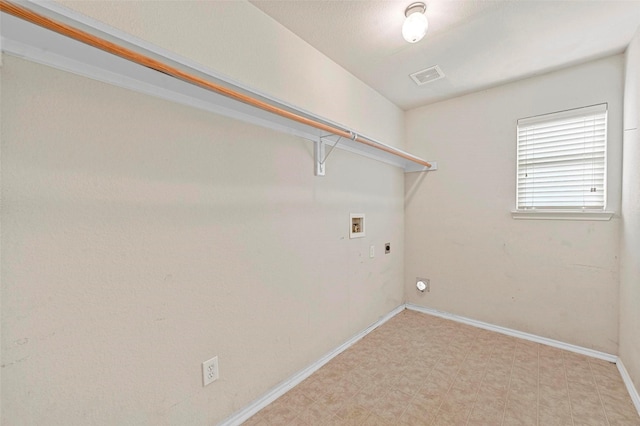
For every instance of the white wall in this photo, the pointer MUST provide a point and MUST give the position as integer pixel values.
(557, 279)
(140, 238)
(237, 39)
(630, 224)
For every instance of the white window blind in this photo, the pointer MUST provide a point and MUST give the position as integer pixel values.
(562, 160)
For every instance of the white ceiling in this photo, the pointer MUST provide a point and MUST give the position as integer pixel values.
(476, 43)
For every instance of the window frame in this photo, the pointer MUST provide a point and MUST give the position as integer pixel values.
(564, 213)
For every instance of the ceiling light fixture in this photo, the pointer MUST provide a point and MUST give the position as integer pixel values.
(416, 24)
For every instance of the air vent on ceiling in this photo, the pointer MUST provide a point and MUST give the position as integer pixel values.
(427, 75)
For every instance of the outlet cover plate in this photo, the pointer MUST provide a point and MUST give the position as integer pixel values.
(210, 371)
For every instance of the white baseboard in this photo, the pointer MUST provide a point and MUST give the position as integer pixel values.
(626, 378)
(515, 333)
(279, 390)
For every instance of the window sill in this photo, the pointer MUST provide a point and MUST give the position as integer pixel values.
(561, 215)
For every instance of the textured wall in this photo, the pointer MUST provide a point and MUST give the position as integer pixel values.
(557, 279)
(140, 238)
(630, 227)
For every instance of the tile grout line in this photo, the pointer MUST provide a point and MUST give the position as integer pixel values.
(384, 393)
(421, 386)
(453, 381)
(486, 370)
(604, 408)
(566, 380)
(370, 411)
(416, 394)
(506, 402)
(444, 395)
(538, 393)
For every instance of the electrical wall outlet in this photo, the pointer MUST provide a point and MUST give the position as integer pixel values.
(210, 371)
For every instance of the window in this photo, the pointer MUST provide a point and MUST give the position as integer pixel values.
(562, 161)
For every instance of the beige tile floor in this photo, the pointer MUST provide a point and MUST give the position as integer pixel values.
(417, 369)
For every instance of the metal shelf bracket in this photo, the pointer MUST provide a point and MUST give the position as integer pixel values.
(319, 152)
(319, 157)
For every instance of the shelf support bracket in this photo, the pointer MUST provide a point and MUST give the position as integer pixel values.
(319, 157)
(319, 153)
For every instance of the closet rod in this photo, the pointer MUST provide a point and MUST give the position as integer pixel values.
(140, 59)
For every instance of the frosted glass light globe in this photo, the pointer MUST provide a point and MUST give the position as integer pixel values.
(415, 27)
